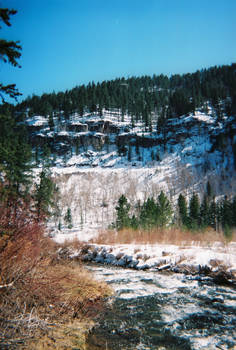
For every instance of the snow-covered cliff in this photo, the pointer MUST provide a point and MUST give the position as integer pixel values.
(97, 158)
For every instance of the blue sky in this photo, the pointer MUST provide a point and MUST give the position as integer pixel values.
(72, 42)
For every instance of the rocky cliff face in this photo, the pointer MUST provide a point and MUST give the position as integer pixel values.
(96, 159)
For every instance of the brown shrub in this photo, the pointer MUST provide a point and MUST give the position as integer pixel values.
(36, 288)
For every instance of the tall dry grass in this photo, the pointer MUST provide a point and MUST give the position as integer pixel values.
(164, 236)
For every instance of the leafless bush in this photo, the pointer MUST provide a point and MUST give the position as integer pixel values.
(36, 288)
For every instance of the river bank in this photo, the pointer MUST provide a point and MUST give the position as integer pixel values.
(217, 261)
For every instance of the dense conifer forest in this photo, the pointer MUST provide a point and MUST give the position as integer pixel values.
(143, 97)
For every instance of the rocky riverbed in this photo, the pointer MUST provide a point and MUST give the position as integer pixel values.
(165, 297)
(217, 262)
(166, 311)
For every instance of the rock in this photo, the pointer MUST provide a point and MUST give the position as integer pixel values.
(133, 264)
(143, 267)
(204, 270)
(87, 257)
(119, 255)
(85, 248)
(99, 259)
(164, 267)
(223, 277)
(64, 253)
(121, 262)
(128, 258)
(109, 259)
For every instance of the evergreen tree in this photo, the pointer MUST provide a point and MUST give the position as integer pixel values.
(213, 217)
(164, 210)
(51, 122)
(44, 194)
(149, 214)
(209, 190)
(68, 218)
(183, 211)
(123, 219)
(134, 223)
(46, 153)
(227, 218)
(194, 211)
(15, 158)
(9, 52)
(234, 211)
(205, 213)
(146, 96)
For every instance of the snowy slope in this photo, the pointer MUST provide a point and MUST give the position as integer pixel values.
(98, 158)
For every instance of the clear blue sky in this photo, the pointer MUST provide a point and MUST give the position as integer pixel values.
(71, 42)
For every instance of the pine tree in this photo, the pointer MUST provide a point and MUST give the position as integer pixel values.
(234, 211)
(9, 52)
(227, 218)
(46, 153)
(51, 122)
(44, 194)
(134, 223)
(213, 217)
(209, 190)
(149, 214)
(164, 210)
(68, 218)
(122, 210)
(183, 211)
(205, 212)
(194, 211)
(15, 158)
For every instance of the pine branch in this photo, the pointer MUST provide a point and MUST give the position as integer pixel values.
(5, 16)
(10, 90)
(10, 52)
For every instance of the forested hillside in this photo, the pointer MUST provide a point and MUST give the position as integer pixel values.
(177, 133)
(141, 97)
(86, 117)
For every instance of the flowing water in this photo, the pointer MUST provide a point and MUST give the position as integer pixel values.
(153, 310)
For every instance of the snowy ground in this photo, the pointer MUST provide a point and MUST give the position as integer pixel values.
(184, 258)
(91, 179)
(92, 193)
(91, 182)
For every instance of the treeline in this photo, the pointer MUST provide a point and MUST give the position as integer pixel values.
(16, 178)
(141, 97)
(193, 215)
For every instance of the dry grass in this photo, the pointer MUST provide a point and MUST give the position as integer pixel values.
(74, 244)
(66, 336)
(70, 317)
(38, 290)
(163, 236)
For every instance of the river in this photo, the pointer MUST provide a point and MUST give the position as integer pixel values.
(152, 310)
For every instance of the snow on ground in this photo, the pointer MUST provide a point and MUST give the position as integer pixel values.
(37, 120)
(92, 193)
(204, 117)
(159, 256)
(91, 182)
